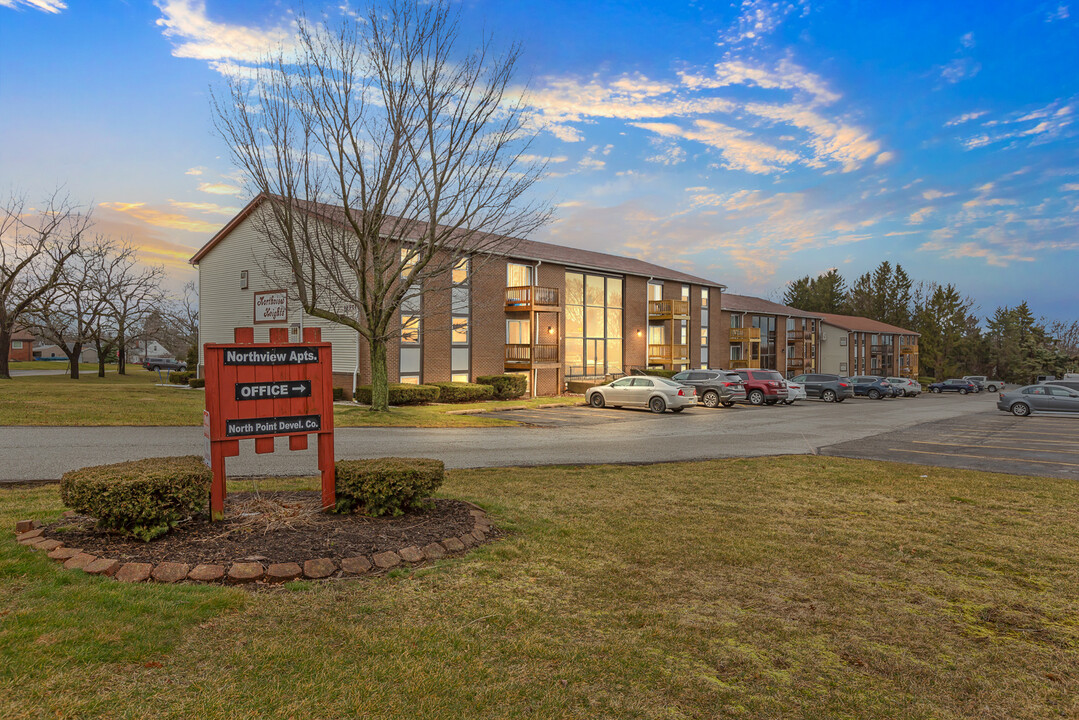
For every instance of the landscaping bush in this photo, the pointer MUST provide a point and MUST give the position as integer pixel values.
(338, 393)
(459, 392)
(197, 382)
(507, 387)
(660, 372)
(400, 394)
(386, 486)
(140, 498)
(180, 377)
(925, 380)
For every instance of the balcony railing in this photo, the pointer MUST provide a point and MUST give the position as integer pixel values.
(739, 335)
(908, 372)
(908, 349)
(802, 335)
(668, 309)
(527, 356)
(667, 354)
(753, 363)
(528, 297)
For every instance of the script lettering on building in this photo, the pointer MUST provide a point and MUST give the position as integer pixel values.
(271, 306)
(271, 356)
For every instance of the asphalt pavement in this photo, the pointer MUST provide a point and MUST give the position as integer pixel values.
(574, 435)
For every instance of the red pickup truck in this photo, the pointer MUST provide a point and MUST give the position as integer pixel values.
(763, 387)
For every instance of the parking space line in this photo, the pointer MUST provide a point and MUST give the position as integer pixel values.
(968, 436)
(998, 447)
(983, 457)
(1024, 432)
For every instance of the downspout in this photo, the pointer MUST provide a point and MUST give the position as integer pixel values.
(356, 370)
(535, 330)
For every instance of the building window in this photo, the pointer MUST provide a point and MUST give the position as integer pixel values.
(736, 321)
(593, 324)
(842, 367)
(243, 279)
(843, 341)
(655, 291)
(704, 337)
(408, 261)
(704, 297)
(410, 379)
(459, 377)
(410, 365)
(685, 293)
(460, 272)
(410, 329)
(461, 313)
(459, 332)
(736, 352)
(16, 344)
(517, 332)
(518, 275)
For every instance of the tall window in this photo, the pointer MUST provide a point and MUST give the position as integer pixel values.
(518, 275)
(460, 321)
(518, 332)
(410, 359)
(593, 324)
(655, 290)
(736, 320)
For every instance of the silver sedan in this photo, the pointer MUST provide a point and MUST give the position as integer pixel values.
(1039, 398)
(655, 393)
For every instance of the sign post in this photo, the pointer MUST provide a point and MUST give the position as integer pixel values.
(267, 390)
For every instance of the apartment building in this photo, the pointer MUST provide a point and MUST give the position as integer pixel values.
(851, 345)
(764, 334)
(543, 310)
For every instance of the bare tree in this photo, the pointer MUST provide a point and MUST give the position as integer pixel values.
(384, 157)
(35, 247)
(130, 291)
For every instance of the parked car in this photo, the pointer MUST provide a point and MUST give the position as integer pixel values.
(953, 385)
(1039, 398)
(763, 387)
(907, 387)
(714, 387)
(829, 388)
(1072, 384)
(872, 386)
(655, 393)
(795, 391)
(164, 364)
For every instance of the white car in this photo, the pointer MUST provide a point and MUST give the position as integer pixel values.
(795, 391)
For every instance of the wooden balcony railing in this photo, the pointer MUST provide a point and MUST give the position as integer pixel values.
(668, 309)
(739, 335)
(754, 363)
(802, 335)
(667, 354)
(908, 372)
(908, 349)
(528, 297)
(527, 356)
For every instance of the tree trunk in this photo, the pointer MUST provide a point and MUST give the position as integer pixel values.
(73, 360)
(5, 348)
(121, 353)
(380, 388)
(100, 359)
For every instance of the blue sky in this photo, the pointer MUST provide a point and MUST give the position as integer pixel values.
(750, 142)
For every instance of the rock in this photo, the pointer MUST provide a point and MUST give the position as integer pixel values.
(453, 544)
(23, 526)
(477, 513)
(64, 553)
(387, 559)
(245, 572)
(482, 522)
(78, 562)
(434, 551)
(170, 572)
(411, 554)
(319, 568)
(69, 513)
(283, 572)
(467, 540)
(478, 535)
(48, 545)
(32, 543)
(206, 573)
(103, 566)
(355, 565)
(256, 558)
(134, 572)
(29, 535)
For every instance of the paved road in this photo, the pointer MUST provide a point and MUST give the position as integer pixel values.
(590, 436)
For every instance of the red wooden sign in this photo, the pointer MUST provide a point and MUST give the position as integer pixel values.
(266, 390)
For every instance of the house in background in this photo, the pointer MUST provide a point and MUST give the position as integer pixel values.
(47, 351)
(763, 334)
(21, 348)
(852, 345)
(138, 351)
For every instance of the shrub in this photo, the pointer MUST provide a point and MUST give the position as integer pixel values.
(459, 392)
(140, 498)
(179, 377)
(580, 387)
(925, 380)
(197, 382)
(506, 387)
(660, 372)
(338, 393)
(400, 394)
(386, 486)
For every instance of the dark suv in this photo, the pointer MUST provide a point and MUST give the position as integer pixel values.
(714, 387)
(164, 364)
(873, 387)
(954, 385)
(763, 387)
(829, 388)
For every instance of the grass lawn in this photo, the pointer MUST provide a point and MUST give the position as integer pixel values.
(135, 399)
(56, 365)
(799, 587)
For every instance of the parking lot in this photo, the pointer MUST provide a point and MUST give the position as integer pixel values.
(991, 440)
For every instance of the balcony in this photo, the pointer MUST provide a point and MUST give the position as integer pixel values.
(531, 297)
(667, 354)
(526, 357)
(668, 309)
(752, 363)
(908, 372)
(741, 335)
(908, 349)
(801, 335)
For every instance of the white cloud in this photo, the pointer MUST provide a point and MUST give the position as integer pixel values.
(786, 75)
(758, 19)
(918, 216)
(49, 6)
(195, 171)
(195, 35)
(204, 207)
(219, 188)
(1061, 13)
(1070, 187)
(160, 218)
(966, 117)
(959, 69)
(967, 40)
(885, 157)
(737, 148)
(935, 194)
(1032, 127)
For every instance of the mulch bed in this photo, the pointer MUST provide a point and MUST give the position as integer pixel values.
(272, 527)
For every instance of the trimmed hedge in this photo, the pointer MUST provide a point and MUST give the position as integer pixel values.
(386, 486)
(507, 387)
(400, 394)
(180, 377)
(458, 392)
(140, 498)
(925, 380)
(197, 382)
(660, 372)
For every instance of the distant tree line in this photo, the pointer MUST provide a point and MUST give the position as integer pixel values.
(1011, 345)
(76, 289)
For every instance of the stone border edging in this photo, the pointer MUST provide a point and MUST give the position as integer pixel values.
(241, 572)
